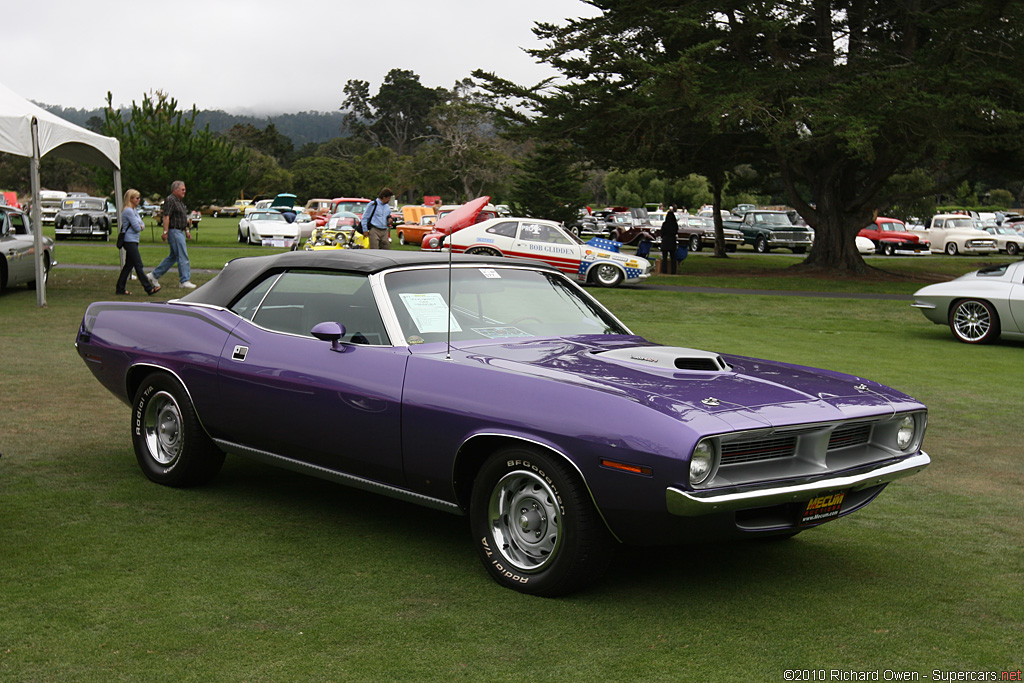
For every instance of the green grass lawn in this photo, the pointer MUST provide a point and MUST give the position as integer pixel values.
(265, 575)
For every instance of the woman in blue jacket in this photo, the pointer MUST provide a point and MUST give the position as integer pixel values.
(131, 226)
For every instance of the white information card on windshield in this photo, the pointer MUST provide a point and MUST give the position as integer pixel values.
(428, 311)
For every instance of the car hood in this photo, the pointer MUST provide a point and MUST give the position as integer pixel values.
(745, 392)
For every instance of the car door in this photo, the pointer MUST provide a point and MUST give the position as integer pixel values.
(285, 392)
(547, 243)
(1017, 299)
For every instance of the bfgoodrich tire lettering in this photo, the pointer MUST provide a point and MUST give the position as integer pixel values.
(170, 444)
(534, 525)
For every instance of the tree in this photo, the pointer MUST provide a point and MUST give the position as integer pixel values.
(268, 140)
(550, 185)
(397, 116)
(840, 97)
(465, 145)
(324, 177)
(160, 144)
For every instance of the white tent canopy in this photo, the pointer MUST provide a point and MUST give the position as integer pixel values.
(28, 130)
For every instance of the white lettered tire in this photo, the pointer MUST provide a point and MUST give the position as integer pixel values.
(534, 525)
(170, 444)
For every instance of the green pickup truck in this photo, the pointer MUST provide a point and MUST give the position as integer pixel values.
(766, 230)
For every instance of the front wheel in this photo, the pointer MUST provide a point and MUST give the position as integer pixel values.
(170, 444)
(695, 243)
(607, 275)
(974, 321)
(888, 248)
(534, 525)
(761, 246)
(952, 249)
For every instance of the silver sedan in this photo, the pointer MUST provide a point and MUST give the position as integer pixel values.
(979, 306)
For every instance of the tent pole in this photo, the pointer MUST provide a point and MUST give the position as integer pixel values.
(37, 221)
(118, 202)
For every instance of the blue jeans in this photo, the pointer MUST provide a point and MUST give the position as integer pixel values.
(179, 255)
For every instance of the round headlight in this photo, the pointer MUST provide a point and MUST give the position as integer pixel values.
(702, 462)
(905, 435)
(433, 243)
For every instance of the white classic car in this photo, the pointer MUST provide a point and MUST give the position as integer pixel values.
(269, 228)
(956, 234)
(1007, 239)
(597, 262)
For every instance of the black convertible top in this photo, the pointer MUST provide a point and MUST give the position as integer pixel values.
(239, 273)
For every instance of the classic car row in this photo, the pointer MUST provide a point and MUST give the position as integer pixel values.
(470, 384)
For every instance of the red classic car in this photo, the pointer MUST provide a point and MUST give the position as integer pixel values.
(890, 235)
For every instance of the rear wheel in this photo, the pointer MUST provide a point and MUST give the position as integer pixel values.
(483, 251)
(534, 524)
(170, 444)
(974, 321)
(1012, 248)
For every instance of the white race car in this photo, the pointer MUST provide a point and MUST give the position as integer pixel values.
(597, 262)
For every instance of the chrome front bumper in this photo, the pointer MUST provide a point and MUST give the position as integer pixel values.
(696, 503)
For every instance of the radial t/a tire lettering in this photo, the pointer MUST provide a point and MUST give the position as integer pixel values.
(534, 525)
(170, 444)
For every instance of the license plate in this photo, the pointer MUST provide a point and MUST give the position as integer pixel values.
(822, 508)
(81, 231)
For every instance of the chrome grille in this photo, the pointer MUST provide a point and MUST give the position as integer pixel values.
(792, 235)
(761, 449)
(849, 435)
(81, 220)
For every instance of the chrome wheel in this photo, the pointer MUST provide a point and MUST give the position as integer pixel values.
(695, 243)
(524, 520)
(951, 248)
(607, 275)
(974, 322)
(161, 427)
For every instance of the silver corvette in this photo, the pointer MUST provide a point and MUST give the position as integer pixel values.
(978, 306)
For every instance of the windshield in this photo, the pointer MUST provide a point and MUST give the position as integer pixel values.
(86, 203)
(351, 207)
(773, 219)
(959, 223)
(492, 303)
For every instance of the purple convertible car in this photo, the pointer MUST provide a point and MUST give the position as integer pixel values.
(496, 389)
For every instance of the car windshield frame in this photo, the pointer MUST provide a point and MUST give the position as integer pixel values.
(490, 302)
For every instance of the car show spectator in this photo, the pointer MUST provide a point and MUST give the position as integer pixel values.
(131, 226)
(377, 220)
(176, 234)
(669, 233)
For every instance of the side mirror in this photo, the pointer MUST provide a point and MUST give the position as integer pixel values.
(332, 332)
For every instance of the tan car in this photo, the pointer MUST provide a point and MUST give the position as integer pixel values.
(318, 207)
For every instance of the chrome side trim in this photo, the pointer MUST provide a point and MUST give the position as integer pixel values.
(921, 304)
(696, 503)
(337, 477)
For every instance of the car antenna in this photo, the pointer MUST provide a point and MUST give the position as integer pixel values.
(448, 355)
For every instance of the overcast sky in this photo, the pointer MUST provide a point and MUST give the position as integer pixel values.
(262, 56)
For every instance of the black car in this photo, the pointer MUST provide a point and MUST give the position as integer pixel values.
(82, 216)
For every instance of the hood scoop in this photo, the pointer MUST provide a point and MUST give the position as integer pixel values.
(666, 358)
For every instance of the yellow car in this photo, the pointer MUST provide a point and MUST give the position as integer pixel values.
(342, 236)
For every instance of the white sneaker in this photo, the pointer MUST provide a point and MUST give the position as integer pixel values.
(156, 283)
(187, 285)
